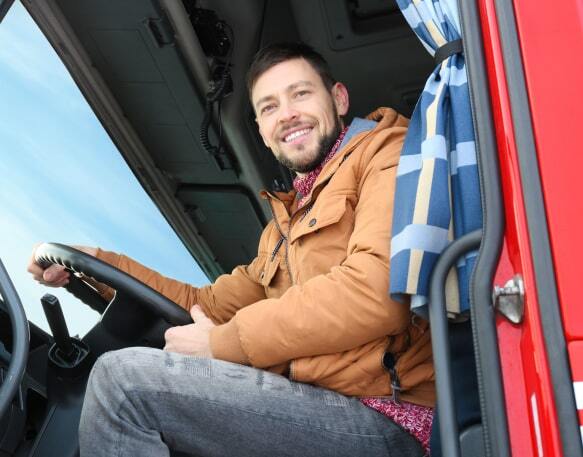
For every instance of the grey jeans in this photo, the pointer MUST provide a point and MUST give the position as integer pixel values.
(149, 403)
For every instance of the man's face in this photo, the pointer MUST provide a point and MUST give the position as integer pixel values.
(299, 119)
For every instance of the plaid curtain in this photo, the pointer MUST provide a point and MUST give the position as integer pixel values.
(437, 197)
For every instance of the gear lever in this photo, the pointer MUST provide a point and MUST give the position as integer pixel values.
(67, 354)
(54, 314)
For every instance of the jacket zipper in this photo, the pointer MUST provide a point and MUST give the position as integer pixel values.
(276, 248)
(389, 363)
(306, 209)
(306, 205)
(283, 237)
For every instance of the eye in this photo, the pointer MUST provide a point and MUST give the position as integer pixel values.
(301, 93)
(266, 109)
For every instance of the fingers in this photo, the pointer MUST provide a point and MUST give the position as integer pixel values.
(191, 339)
(174, 336)
(56, 276)
(32, 267)
(168, 336)
(55, 273)
(35, 270)
(52, 276)
(61, 283)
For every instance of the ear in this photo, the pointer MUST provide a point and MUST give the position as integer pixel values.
(341, 100)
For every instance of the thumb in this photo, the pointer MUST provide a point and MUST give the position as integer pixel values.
(53, 272)
(196, 313)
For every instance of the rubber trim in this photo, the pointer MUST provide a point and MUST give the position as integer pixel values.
(542, 259)
(489, 373)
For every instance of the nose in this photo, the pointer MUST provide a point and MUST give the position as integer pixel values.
(287, 113)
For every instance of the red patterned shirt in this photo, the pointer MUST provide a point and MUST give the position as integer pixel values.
(414, 419)
(303, 184)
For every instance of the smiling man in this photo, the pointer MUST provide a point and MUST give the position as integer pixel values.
(302, 352)
(299, 122)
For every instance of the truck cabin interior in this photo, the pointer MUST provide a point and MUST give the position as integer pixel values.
(166, 79)
(156, 73)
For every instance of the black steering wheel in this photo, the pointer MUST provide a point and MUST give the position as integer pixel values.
(20, 341)
(79, 262)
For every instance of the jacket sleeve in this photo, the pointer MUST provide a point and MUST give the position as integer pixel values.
(219, 301)
(345, 308)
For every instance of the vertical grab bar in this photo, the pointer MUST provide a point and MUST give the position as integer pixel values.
(448, 429)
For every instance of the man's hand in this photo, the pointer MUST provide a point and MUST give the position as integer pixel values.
(192, 339)
(54, 275)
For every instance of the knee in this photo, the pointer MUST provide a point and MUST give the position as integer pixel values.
(114, 375)
(105, 370)
(103, 384)
(102, 369)
(101, 396)
(115, 372)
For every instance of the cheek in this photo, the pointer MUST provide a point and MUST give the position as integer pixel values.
(264, 135)
(327, 119)
(326, 124)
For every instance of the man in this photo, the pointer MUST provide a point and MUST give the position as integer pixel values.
(301, 352)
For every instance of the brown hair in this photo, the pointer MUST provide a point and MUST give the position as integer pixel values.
(276, 53)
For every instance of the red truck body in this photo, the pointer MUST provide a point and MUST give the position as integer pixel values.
(549, 36)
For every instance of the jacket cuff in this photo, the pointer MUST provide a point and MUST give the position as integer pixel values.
(226, 345)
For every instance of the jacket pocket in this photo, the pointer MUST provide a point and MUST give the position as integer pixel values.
(324, 213)
(269, 270)
(274, 277)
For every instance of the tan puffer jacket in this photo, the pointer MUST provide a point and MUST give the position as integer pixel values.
(314, 302)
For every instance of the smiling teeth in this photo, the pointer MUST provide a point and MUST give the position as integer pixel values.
(293, 136)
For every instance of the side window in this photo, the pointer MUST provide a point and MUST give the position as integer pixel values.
(63, 180)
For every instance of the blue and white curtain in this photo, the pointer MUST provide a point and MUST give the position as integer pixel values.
(437, 197)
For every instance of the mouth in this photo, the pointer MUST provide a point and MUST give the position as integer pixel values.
(297, 135)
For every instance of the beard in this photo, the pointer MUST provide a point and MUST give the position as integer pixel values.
(320, 152)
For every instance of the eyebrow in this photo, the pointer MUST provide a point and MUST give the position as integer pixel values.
(289, 88)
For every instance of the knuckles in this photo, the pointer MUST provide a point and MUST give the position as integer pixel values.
(168, 334)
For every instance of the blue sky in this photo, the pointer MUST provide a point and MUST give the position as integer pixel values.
(63, 180)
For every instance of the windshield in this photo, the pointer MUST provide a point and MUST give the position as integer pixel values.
(63, 179)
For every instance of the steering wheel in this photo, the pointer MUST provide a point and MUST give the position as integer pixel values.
(20, 341)
(79, 262)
